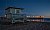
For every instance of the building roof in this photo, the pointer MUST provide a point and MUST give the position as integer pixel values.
(14, 8)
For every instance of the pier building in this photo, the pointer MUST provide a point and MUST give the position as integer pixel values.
(14, 14)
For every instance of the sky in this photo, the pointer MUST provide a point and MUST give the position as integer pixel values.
(31, 7)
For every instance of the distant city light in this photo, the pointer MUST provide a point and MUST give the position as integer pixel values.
(42, 16)
(36, 16)
(28, 16)
(33, 16)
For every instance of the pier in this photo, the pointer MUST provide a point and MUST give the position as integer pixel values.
(13, 14)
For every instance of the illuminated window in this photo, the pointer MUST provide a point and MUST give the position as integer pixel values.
(17, 11)
(5, 15)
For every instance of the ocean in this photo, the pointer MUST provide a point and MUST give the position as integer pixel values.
(45, 19)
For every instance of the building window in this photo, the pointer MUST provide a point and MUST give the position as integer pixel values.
(17, 11)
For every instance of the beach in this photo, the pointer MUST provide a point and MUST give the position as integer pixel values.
(26, 26)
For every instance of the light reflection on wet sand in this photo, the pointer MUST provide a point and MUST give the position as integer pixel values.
(27, 26)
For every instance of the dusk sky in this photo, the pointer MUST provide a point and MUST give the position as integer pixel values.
(31, 7)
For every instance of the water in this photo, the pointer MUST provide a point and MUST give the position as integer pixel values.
(47, 19)
(44, 19)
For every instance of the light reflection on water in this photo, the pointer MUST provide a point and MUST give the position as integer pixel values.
(41, 20)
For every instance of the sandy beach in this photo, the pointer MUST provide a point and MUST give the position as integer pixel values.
(26, 26)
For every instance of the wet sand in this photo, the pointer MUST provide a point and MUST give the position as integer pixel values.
(26, 26)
